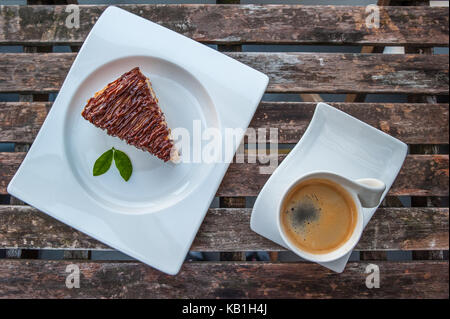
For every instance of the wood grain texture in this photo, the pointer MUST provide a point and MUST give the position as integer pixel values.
(412, 123)
(350, 73)
(276, 24)
(421, 175)
(21, 121)
(288, 72)
(46, 279)
(229, 230)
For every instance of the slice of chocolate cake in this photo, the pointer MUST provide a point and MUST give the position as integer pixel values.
(128, 108)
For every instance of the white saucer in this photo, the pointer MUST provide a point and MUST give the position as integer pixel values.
(337, 142)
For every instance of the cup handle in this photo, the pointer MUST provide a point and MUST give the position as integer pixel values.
(370, 191)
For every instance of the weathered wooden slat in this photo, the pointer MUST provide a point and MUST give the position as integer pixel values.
(411, 123)
(282, 24)
(350, 73)
(421, 175)
(229, 230)
(418, 279)
(288, 72)
(20, 121)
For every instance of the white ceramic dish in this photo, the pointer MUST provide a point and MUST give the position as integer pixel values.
(155, 215)
(334, 142)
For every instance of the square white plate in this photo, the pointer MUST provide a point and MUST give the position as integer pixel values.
(155, 215)
(336, 142)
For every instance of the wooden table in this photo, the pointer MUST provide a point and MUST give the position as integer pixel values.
(422, 229)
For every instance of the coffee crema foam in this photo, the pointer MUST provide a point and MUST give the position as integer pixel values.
(318, 216)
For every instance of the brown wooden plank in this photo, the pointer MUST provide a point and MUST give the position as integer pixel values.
(230, 202)
(229, 230)
(418, 279)
(350, 73)
(288, 72)
(21, 121)
(421, 175)
(411, 123)
(431, 176)
(282, 24)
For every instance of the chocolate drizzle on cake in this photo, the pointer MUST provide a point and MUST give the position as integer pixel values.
(128, 109)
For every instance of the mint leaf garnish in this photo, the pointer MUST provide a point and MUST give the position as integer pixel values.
(123, 164)
(103, 163)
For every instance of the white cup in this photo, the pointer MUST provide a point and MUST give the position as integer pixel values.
(366, 193)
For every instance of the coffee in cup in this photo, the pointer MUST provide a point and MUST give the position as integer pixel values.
(321, 215)
(318, 216)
